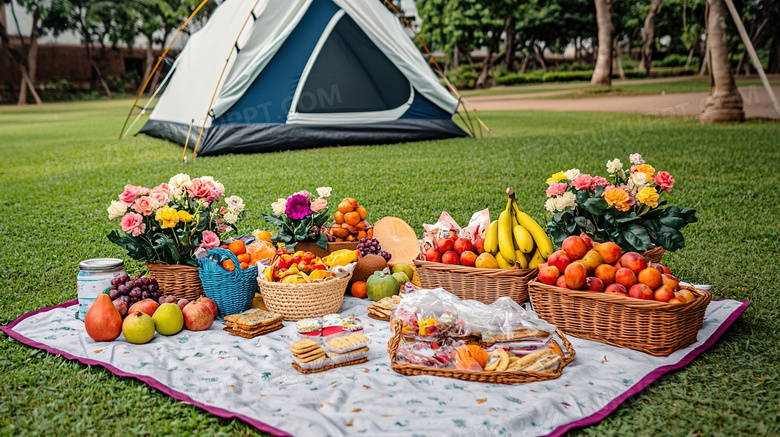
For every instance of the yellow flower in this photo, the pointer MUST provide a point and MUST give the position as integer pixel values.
(167, 216)
(648, 196)
(560, 176)
(617, 198)
(184, 216)
(647, 169)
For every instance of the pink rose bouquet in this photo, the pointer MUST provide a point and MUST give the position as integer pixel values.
(300, 218)
(167, 223)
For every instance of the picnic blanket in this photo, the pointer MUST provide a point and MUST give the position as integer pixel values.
(251, 379)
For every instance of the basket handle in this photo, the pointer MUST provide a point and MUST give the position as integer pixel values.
(221, 255)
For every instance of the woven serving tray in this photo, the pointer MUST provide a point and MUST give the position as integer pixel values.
(330, 366)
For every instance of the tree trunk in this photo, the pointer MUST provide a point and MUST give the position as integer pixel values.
(774, 62)
(724, 103)
(690, 57)
(648, 38)
(509, 46)
(471, 60)
(705, 61)
(32, 64)
(602, 74)
(456, 56)
(482, 80)
(525, 61)
(619, 60)
(5, 54)
(539, 53)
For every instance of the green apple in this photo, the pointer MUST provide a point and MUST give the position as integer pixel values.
(406, 268)
(168, 319)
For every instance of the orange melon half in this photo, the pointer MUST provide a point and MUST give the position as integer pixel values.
(397, 238)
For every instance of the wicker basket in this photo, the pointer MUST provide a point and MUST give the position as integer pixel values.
(514, 377)
(234, 291)
(180, 281)
(656, 328)
(484, 285)
(654, 255)
(302, 301)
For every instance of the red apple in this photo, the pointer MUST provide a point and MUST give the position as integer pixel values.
(575, 247)
(479, 245)
(575, 275)
(591, 260)
(588, 241)
(433, 255)
(595, 284)
(616, 289)
(146, 306)
(468, 258)
(561, 282)
(661, 267)
(197, 316)
(671, 281)
(210, 303)
(559, 259)
(548, 274)
(634, 261)
(663, 294)
(450, 257)
(625, 277)
(650, 277)
(606, 273)
(640, 291)
(445, 244)
(609, 251)
(463, 245)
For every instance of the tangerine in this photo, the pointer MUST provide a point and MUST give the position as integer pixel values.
(244, 266)
(353, 229)
(345, 207)
(338, 217)
(351, 201)
(352, 218)
(370, 233)
(359, 289)
(362, 211)
(244, 258)
(228, 265)
(361, 234)
(350, 237)
(237, 247)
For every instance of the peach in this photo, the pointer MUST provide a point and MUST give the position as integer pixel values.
(575, 247)
(576, 274)
(657, 266)
(675, 300)
(663, 268)
(640, 291)
(625, 277)
(595, 284)
(685, 295)
(146, 306)
(450, 257)
(479, 246)
(671, 281)
(663, 294)
(633, 261)
(559, 259)
(468, 258)
(445, 244)
(606, 273)
(617, 266)
(463, 245)
(591, 260)
(616, 289)
(650, 277)
(609, 251)
(561, 282)
(433, 255)
(588, 241)
(548, 274)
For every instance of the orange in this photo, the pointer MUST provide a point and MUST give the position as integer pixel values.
(228, 265)
(339, 232)
(396, 237)
(353, 229)
(361, 225)
(345, 207)
(237, 247)
(244, 258)
(264, 236)
(362, 211)
(352, 218)
(361, 234)
(359, 289)
(370, 233)
(244, 266)
(351, 201)
(338, 217)
(350, 237)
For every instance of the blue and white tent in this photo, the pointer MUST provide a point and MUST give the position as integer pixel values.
(304, 73)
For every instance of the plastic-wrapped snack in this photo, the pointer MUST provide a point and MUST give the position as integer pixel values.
(408, 318)
(545, 360)
(309, 328)
(512, 322)
(521, 347)
(426, 354)
(351, 324)
(332, 324)
(347, 343)
(357, 354)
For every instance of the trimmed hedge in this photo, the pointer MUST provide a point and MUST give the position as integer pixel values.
(569, 76)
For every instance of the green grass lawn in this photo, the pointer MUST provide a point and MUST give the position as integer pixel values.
(61, 164)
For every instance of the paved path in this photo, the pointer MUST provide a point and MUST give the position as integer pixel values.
(755, 100)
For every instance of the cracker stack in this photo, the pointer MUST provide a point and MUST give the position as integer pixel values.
(382, 308)
(253, 323)
(307, 351)
(348, 342)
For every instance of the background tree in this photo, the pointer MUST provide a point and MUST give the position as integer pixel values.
(602, 73)
(724, 104)
(648, 37)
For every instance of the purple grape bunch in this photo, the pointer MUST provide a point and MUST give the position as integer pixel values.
(371, 246)
(133, 289)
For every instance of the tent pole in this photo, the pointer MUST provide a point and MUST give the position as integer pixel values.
(159, 60)
(219, 81)
(184, 153)
(146, 106)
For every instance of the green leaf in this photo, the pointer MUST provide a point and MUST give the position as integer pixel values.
(556, 234)
(274, 220)
(137, 248)
(301, 231)
(610, 217)
(670, 239)
(582, 197)
(637, 236)
(673, 222)
(558, 216)
(596, 206)
(598, 191)
(320, 218)
(584, 223)
(572, 228)
(167, 247)
(322, 241)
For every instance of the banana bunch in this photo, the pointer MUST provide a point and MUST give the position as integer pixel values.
(515, 239)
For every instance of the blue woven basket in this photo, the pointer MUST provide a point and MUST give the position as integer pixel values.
(231, 291)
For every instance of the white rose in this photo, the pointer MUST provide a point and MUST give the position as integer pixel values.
(235, 204)
(614, 166)
(568, 200)
(323, 191)
(279, 206)
(231, 217)
(572, 173)
(117, 209)
(638, 180)
(550, 204)
(636, 159)
(180, 180)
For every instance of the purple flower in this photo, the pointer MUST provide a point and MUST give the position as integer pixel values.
(298, 206)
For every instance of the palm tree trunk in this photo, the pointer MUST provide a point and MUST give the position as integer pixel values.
(724, 103)
(619, 60)
(648, 38)
(602, 74)
(509, 45)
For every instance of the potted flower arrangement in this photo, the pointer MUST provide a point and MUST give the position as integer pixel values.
(300, 218)
(625, 207)
(164, 225)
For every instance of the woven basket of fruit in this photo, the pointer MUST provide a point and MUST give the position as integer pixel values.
(295, 301)
(484, 285)
(178, 280)
(232, 291)
(492, 377)
(656, 328)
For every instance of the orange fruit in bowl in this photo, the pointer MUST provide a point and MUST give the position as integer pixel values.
(244, 258)
(244, 266)
(345, 207)
(353, 229)
(237, 247)
(228, 265)
(338, 217)
(361, 234)
(362, 211)
(361, 225)
(352, 218)
(351, 201)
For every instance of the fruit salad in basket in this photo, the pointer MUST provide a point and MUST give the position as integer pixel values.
(304, 267)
